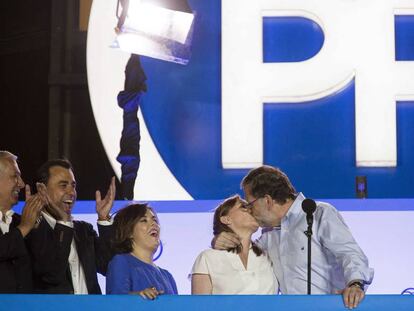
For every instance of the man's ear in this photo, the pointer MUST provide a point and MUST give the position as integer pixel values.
(268, 201)
(225, 220)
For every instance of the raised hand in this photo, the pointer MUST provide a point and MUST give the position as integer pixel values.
(31, 212)
(27, 192)
(104, 206)
(51, 207)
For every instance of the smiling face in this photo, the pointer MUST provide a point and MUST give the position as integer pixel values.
(61, 188)
(10, 184)
(146, 232)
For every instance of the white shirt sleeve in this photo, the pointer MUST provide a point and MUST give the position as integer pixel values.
(108, 222)
(200, 265)
(336, 236)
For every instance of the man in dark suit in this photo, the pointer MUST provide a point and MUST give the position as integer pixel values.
(15, 270)
(67, 254)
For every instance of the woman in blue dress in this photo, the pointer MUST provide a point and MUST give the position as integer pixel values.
(137, 237)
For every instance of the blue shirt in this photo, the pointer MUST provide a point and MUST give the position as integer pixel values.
(336, 257)
(127, 273)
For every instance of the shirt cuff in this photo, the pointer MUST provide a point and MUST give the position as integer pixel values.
(108, 222)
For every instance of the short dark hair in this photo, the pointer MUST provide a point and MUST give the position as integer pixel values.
(43, 173)
(269, 180)
(124, 223)
(218, 227)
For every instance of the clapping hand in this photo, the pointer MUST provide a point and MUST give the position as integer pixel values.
(31, 211)
(51, 207)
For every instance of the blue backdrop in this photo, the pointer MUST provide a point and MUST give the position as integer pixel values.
(314, 143)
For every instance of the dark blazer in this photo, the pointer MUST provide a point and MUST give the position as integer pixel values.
(15, 270)
(49, 249)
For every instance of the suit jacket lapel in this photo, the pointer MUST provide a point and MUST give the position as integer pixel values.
(79, 244)
(15, 220)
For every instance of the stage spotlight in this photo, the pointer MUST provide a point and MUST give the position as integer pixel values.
(158, 32)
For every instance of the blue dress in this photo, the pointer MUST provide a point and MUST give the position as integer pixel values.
(127, 273)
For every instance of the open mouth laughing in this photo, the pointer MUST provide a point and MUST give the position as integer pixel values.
(68, 204)
(154, 232)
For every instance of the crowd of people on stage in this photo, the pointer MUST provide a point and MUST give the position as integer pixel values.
(44, 250)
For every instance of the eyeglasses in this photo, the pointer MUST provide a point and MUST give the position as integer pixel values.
(250, 204)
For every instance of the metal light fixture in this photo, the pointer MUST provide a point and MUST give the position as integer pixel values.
(158, 32)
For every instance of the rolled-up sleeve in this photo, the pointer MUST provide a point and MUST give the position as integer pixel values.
(337, 238)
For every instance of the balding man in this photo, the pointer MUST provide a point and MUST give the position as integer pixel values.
(15, 269)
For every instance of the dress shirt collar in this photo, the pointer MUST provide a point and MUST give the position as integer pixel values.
(50, 220)
(5, 223)
(6, 217)
(296, 207)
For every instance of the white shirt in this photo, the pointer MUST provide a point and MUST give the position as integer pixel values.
(336, 257)
(229, 276)
(76, 269)
(5, 223)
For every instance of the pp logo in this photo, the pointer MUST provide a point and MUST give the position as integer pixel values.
(322, 118)
(159, 251)
(358, 45)
(408, 291)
